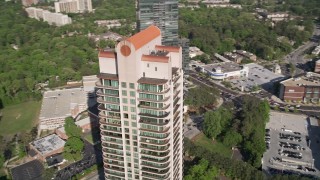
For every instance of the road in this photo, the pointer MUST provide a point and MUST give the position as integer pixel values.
(297, 56)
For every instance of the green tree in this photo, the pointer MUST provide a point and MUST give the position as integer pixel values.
(72, 130)
(232, 138)
(202, 96)
(73, 149)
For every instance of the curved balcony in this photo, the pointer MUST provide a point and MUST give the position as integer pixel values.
(102, 101)
(101, 93)
(166, 129)
(155, 148)
(114, 168)
(102, 108)
(163, 160)
(154, 108)
(176, 94)
(154, 100)
(155, 154)
(100, 85)
(109, 173)
(153, 142)
(112, 157)
(113, 141)
(113, 176)
(111, 115)
(113, 163)
(155, 116)
(112, 146)
(116, 124)
(154, 92)
(110, 129)
(154, 177)
(166, 136)
(155, 166)
(107, 153)
(156, 172)
(113, 135)
(149, 122)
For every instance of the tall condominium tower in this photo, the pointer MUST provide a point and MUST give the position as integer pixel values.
(163, 14)
(140, 101)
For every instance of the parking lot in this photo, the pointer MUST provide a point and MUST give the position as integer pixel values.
(258, 76)
(289, 142)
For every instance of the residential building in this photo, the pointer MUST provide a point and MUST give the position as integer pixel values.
(225, 70)
(110, 23)
(73, 6)
(59, 104)
(141, 106)
(57, 19)
(304, 88)
(216, 1)
(29, 2)
(233, 57)
(317, 66)
(246, 54)
(316, 50)
(194, 51)
(275, 17)
(45, 147)
(163, 14)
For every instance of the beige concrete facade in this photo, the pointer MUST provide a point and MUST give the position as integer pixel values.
(56, 19)
(73, 6)
(141, 104)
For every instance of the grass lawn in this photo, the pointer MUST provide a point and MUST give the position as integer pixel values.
(92, 137)
(216, 146)
(19, 118)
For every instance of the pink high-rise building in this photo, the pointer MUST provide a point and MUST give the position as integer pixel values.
(140, 101)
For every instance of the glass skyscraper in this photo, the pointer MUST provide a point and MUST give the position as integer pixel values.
(163, 14)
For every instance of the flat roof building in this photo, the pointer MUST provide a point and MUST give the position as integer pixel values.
(225, 70)
(59, 104)
(56, 19)
(141, 106)
(73, 6)
(304, 88)
(47, 146)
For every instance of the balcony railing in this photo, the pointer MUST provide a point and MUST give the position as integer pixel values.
(112, 146)
(113, 163)
(155, 116)
(154, 100)
(102, 108)
(117, 124)
(112, 173)
(155, 154)
(145, 121)
(114, 168)
(166, 129)
(101, 93)
(114, 141)
(155, 166)
(99, 85)
(116, 158)
(114, 135)
(154, 108)
(165, 136)
(155, 148)
(112, 152)
(152, 176)
(154, 92)
(157, 172)
(102, 101)
(153, 142)
(156, 160)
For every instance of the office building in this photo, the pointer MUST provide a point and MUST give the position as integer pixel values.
(73, 6)
(140, 101)
(305, 88)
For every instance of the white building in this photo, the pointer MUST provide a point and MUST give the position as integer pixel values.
(59, 104)
(57, 19)
(110, 23)
(73, 6)
(141, 106)
(194, 51)
(225, 70)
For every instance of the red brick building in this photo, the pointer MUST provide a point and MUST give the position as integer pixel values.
(305, 88)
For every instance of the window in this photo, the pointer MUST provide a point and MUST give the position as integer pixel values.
(134, 117)
(132, 101)
(128, 148)
(133, 124)
(132, 109)
(131, 86)
(125, 115)
(134, 131)
(125, 100)
(124, 93)
(132, 94)
(126, 123)
(125, 108)
(123, 85)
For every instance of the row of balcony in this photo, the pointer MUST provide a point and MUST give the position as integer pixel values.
(100, 85)
(154, 141)
(155, 148)
(102, 101)
(154, 108)
(101, 93)
(154, 100)
(164, 91)
(150, 122)
(156, 160)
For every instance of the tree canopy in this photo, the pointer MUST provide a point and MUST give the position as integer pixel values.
(71, 129)
(201, 96)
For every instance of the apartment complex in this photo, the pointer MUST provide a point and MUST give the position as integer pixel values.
(29, 2)
(304, 88)
(73, 6)
(140, 101)
(57, 19)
